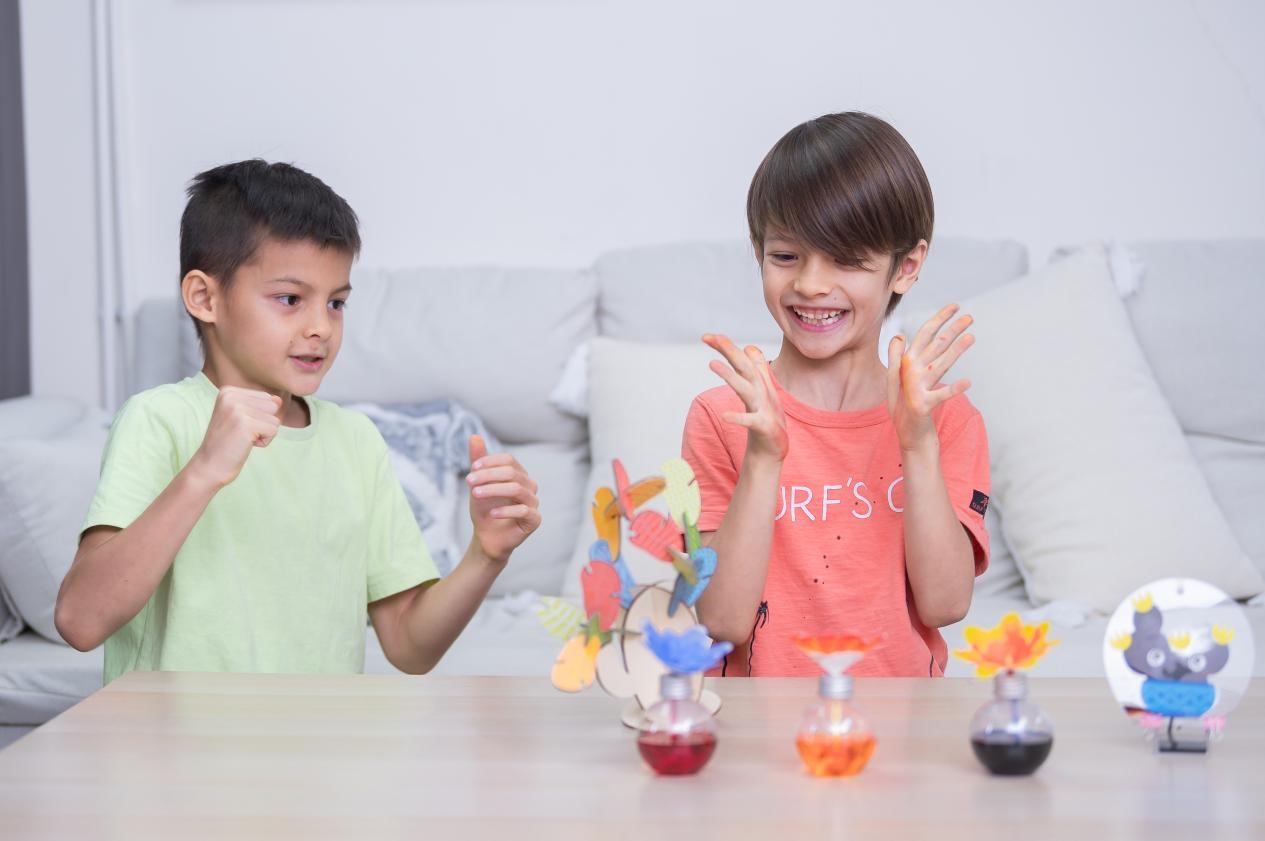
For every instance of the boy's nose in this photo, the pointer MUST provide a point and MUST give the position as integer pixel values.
(813, 279)
(319, 325)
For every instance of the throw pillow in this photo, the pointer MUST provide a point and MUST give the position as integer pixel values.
(430, 454)
(639, 394)
(1097, 484)
(45, 489)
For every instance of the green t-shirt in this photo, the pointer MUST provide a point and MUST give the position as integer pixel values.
(278, 572)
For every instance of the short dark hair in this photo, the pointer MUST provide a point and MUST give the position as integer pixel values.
(233, 207)
(846, 184)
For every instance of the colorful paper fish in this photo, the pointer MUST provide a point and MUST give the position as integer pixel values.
(694, 574)
(630, 497)
(576, 666)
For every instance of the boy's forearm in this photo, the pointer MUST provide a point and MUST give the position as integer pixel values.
(742, 543)
(111, 579)
(939, 558)
(440, 612)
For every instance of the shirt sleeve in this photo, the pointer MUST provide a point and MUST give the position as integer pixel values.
(964, 460)
(703, 446)
(140, 460)
(398, 558)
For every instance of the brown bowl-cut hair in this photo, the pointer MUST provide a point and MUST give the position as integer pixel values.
(845, 184)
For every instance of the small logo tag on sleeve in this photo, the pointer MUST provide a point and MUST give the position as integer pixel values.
(979, 503)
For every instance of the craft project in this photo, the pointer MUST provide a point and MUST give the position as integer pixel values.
(603, 640)
(1010, 734)
(1178, 654)
(677, 735)
(833, 739)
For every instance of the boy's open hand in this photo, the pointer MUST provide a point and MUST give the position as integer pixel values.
(914, 373)
(748, 375)
(503, 504)
(241, 420)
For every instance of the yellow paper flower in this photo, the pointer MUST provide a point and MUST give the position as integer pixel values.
(1011, 645)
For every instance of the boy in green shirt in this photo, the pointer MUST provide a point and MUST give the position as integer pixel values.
(240, 524)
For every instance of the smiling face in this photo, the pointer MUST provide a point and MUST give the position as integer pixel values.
(279, 324)
(824, 307)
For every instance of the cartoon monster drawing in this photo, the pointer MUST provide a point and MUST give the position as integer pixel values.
(1177, 665)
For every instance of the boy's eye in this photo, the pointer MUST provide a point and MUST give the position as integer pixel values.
(782, 256)
(338, 305)
(288, 300)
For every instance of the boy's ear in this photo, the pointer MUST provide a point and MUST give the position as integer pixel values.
(906, 274)
(200, 294)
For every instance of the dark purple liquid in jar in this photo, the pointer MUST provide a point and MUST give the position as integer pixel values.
(1010, 756)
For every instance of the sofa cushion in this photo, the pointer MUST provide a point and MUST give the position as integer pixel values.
(677, 292)
(34, 417)
(463, 334)
(1197, 318)
(639, 394)
(1236, 473)
(10, 620)
(1097, 484)
(45, 488)
(41, 679)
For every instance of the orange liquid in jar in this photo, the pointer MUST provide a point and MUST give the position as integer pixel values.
(835, 756)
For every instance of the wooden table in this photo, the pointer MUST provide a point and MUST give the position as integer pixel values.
(177, 756)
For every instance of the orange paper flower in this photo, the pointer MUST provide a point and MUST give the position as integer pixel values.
(835, 653)
(1011, 645)
(833, 643)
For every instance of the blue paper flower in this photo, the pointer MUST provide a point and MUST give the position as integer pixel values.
(687, 652)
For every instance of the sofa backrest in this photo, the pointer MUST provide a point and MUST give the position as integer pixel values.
(1196, 314)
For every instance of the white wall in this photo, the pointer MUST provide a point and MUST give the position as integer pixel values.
(547, 132)
(57, 97)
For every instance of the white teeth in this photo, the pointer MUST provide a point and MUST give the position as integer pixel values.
(819, 318)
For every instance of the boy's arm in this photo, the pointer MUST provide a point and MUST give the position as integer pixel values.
(417, 626)
(743, 540)
(939, 556)
(115, 571)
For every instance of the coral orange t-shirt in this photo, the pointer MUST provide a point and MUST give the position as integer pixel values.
(837, 561)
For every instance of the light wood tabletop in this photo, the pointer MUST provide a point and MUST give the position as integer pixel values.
(174, 756)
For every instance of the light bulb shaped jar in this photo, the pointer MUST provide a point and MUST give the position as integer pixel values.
(677, 734)
(1010, 734)
(833, 740)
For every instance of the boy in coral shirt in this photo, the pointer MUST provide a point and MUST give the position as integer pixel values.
(839, 494)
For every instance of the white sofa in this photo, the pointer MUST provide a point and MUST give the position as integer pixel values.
(499, 340)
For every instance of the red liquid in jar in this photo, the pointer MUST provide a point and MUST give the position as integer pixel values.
(674, 753)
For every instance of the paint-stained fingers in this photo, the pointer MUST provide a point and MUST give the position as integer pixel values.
(927, 332)
(736, 357)
(895, 353)
(750, 420)
(942, 363)
(945, 339)
(939, 395)
(740, 386)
